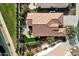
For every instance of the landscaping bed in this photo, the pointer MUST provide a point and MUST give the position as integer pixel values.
(25, 39)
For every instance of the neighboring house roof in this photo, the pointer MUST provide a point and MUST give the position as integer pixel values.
(43, 18)
(54, 5)
(57, 50)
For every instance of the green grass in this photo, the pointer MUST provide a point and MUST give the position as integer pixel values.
(9, 14)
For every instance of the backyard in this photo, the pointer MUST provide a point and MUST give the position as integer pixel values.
(9, 14)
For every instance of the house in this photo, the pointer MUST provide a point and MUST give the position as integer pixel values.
(54, 5)
(46, 24)
(57, 50)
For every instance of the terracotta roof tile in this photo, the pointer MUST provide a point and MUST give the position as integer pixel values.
(54, 25)
(42, 18)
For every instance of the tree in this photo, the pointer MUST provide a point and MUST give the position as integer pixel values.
(37, 9)
(50, 40)
(71, 31)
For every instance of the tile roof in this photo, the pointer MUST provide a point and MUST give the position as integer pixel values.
(54, 25)
(43, 18)
(44, 24)
(62, 29)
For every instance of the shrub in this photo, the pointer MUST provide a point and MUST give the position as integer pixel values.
(50, 40)
(29, 53)
(32, 44)
(25, 39)
(71, 32)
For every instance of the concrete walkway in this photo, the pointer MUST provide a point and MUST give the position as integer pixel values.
(7, 36)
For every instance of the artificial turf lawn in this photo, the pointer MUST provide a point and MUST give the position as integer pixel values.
(9, 14)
